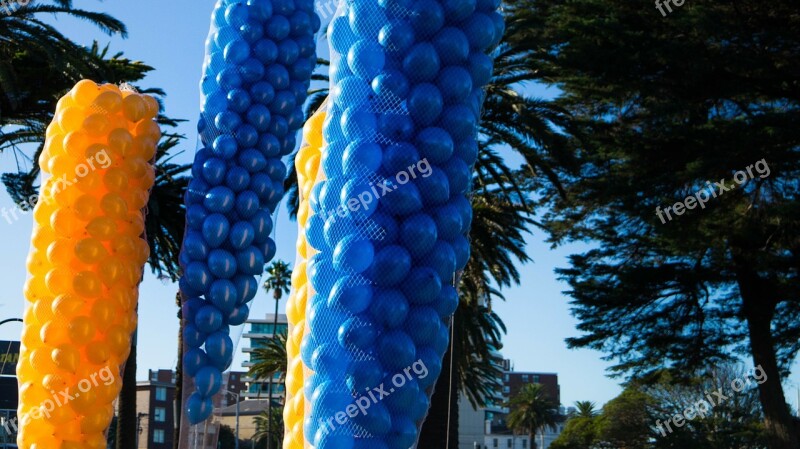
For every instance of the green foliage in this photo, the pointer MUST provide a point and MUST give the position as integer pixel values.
(531, 411)
(263, 434)
(269, 359)
(279, 279)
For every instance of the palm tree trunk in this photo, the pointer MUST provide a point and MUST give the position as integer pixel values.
(126, 422)
(176, 439)
(269, 393)
(444, 404)
(532, 438)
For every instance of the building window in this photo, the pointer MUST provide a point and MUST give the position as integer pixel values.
(510, 443)
(160, 414)
(536, 378)
(524, 443)
(161, 394)
(158, 436)
(506, 389)
(524, 377)
(506, 377)
(494, 442)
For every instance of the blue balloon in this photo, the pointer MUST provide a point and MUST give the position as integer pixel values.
(499, 27)
(377, 422)
(389, 308)
(252, 160)
(222, 294)
(288, 52)
(193, 360)
(268, 249)
(214, 103)
(461, 247)
(364, 374)
(277, 28)
(239, 100)
(237, 14)
(458, 10)
(208, 319)
(447, 302)
(283, 7)
(314, 232)
(398, 157)
(196, 191)
(190, 307)
(208, 381)
(366, 59)
(307, 346)
(307, 46)
(458, 175)
(237, 179)
(246, 136)
(236, 52)
(358, 332)
(277, 76)
(300, 23)
(358, 124)
(404, 200)
(331, 164)
(434, 187)
(435, 144)
(383, 229)
(262, 185)
(425, 103)
(279, 126)
(350, 91)
(404, 398)
(395, 127)
(321, 273)
(268, 145)
(464, 208)
(213, 171)
(241, 235)
(323, 439)
(451, 45)
(422, 62)
(194, 246)
(246, 203)
(361, 157)
(370, 443)
(250, 260)
(459, 120)
(396, 350)
(252, 31)
(222, 263)
(403, 433)
(396, 36)
(365, 19)
(283, 103)
(198, 276)
(227, 121)
(302, 69)
(442, 259)
(391, 265)
(229, 78)
(195, 216)
(391, 85)
(422, 286)
(329, 360)
(340, 34)
(480, 68)
(479, 30)
(198, 408)
(219, 199)
(224, 147)
(260, 10)
(432, 361)
(418, 234)
(239, 315)
(454, 83)
(246, 288)
(192, 336)
(427, 17)
(252, 70)
(259, 117)
(423, 323)
(219, 348)
(266, 51)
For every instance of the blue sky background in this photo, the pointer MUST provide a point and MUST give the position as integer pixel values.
(170, 36)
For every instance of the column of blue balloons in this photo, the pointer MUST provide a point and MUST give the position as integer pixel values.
(259, 58)
(392, 217)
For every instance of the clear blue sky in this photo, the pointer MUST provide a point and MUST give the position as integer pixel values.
(170, 37)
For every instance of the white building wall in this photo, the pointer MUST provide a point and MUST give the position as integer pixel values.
(471, 425)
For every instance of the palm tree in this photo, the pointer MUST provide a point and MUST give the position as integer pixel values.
(269, 359)
(280, 282)
(263, 422)
(586, 409)
(532, 411)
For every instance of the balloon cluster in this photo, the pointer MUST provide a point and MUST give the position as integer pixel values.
(85, 264)
(307, 163)
(391, 218)
(260, 56)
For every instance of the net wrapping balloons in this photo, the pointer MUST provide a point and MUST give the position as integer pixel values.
(389, 215)
(85, 263)
(259, 59)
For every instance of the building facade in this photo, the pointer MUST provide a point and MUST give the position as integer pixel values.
(155, 410)
(9, 355)
(260, 333)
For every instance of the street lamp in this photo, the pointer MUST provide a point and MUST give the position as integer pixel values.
(237, 415)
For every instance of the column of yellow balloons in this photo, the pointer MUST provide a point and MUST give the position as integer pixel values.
(307, 163)
(85, 264)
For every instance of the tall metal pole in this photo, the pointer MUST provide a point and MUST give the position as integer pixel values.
(11, 320)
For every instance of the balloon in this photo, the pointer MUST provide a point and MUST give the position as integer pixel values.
(392, 264)
(389, 308)
(208, 319)
(208, 381)
(193, 360)
(352, 293)
(198, 408)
